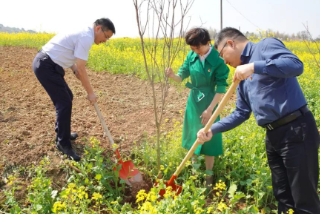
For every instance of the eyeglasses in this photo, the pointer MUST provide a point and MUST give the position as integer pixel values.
(226, 44)
(222, 49)
(107, 37)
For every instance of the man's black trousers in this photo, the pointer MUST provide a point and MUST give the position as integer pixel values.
(51, 77)
(292, 152)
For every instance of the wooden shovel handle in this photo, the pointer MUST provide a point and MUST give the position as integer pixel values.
(216, 113)
(105, 128)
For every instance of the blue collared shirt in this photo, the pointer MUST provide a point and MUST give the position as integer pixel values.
(272, 92)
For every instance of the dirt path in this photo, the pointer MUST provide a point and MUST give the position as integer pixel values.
(27, 114)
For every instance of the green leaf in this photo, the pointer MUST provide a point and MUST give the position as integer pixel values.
(232, 190)
(38, 207)
(261, 194)
(70, 179)
(239, 195)
(196, 165)
(209, 172)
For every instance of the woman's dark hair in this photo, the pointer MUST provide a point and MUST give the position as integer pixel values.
(197, 37)
(106, 24)
(228, 32)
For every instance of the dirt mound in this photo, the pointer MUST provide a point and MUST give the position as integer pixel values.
(27, 114)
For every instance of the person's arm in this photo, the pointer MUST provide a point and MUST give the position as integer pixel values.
(183, 71)
(221, 73)
(172, 75)
(208, 112)
(279, 61)
(217, 97)
(81, 74)
(237, 117)
(74, 68)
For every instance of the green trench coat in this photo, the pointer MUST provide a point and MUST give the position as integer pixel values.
(207, 78)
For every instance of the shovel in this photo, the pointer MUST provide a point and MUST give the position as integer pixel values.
(216, 113)
(128, 172)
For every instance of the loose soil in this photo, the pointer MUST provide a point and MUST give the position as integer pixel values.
(27, 115)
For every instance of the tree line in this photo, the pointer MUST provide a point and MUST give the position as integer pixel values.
(300, 36)
(14, 29)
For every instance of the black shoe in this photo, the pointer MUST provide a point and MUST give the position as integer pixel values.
(69, 152)
(73, 136)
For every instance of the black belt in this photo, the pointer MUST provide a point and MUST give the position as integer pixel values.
(287, 119)
(57, 67)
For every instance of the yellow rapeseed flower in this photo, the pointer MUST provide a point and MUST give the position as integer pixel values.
(188, 163)
(192, 177)
(222, 206)
(59, 206)
(290, 211)
(210, 209)
(152, 196)
(96, 196)
(141, 195)
(98, 177)
(10, 180)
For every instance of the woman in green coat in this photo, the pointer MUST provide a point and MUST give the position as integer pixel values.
(208, 74)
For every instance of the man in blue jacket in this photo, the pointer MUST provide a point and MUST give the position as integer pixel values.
(269, 88)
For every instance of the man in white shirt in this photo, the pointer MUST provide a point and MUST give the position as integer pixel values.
(68, 50)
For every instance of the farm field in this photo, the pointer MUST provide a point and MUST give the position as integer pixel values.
(37, 179)
(28, 115)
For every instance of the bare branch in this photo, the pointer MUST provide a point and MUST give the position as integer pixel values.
(162, 47)
(307, 42)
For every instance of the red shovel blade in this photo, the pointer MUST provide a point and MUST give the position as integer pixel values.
(130, 172)
(176, 188)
